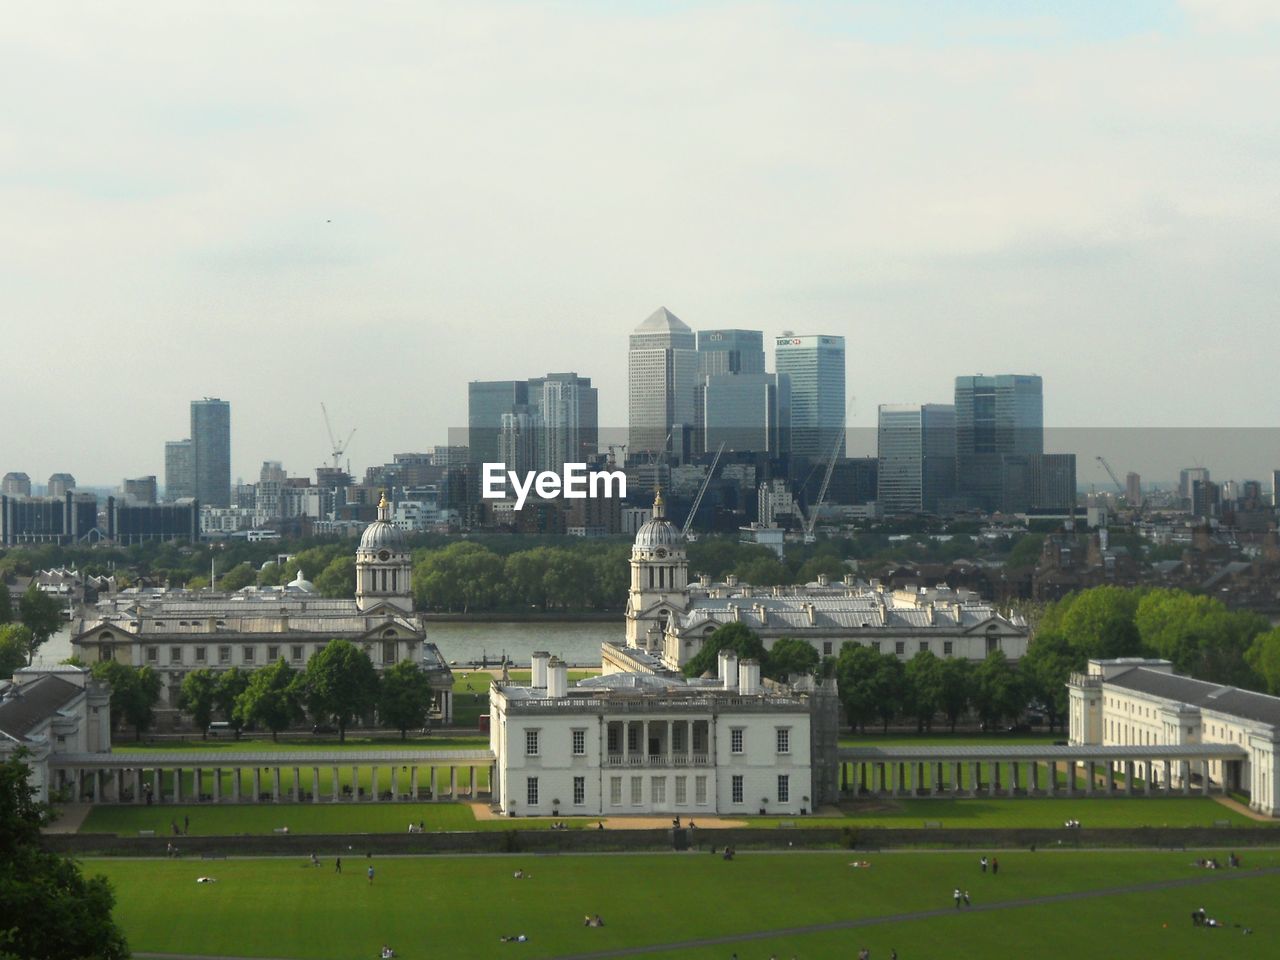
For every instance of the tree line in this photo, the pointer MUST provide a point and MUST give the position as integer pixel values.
(24, 629)
(338, 686)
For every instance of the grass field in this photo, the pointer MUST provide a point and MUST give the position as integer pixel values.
(459, 906)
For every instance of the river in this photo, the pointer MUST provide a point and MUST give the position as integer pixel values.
(575, 642)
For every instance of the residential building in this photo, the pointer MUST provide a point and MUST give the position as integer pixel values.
(815, 367)
(568, 408)
(916, 448)
(662, 369)
(1133, 488)
(211, 451)
(996, 417)
(179, 470)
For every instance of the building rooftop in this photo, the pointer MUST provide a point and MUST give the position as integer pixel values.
(1200, 693)
(26, 705)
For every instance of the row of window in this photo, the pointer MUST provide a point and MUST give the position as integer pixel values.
(737, 740)
(248, 653)
(922, 646)
(657, 790)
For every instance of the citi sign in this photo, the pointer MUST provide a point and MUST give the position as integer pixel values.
(576, 483)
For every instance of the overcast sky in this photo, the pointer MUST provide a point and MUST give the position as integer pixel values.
(283, 203)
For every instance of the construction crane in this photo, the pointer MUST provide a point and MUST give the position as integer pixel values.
(614, 450)
(1112, 474)
(687, 532)
(812, 521)
(338, 448)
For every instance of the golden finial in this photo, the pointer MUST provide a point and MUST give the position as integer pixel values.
(658, 503)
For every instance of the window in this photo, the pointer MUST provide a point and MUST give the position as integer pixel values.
(531, 743)
(273, 654)
(295, 653)
(615, 791)
(153, 654)
(826, 648)
(247, 654)
(633, 738)
(224, 654)
(579, 743)
(105, 652)
(677, 738)
(784, 739)
(735, 740)
(201, 655)
(658, 790)
(531, 791)
(579, 791)
(947, 647)
(700, 790)
(993, 644)
(613, 739)
(737, 788)
(637, 791)
(388, 651)
(874, 645)
(900, 647)
(924, 646)
(784, 788)
(175, 654)
(682, 791)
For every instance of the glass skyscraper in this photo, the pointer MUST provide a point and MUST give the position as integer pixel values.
(662, 371)
(996, 417)
(815, 368)
(916, 448)
(211, 451)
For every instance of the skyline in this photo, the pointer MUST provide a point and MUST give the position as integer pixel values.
(279, 207)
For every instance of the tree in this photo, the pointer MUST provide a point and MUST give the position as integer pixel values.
(231, 684)
(1046, 668)
(790, 656)
(889, 688)
(15, 642)
(762, 572)
(41, 614)
(924, 687)
(1099, 623)
(404, 697)
(6, 603)
(823, 563)
(270, 698)
(1264, 658)
(956, 689)
(738, 637)
(855, 667)
(337, 581)
(998, 691)
(50, 910)
(1198, 634)
(198, 697)
(241, 575)
(1026, 552)
(134, 692)
(339, 684)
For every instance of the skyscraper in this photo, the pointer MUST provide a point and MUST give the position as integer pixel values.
(1133, 488)
(662, 369)
(916, 448)
(1187, 479)
(568, 408)
(814, 365)
(179, 470)
(487, 402)
(211, 451)
(744, 411)
(995, 417)
(730, 351)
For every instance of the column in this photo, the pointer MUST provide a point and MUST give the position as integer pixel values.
(335, 786)
(1146, 780)
(137, 785)
(235, 785)
(297, 785)
(118, 783)
(315, 784)
(1111, 779)
(413, 782)
(644, 743)
(1204, 777)
(355, 783)
(435, 792)
(275, 784)
(217, 785)
(453, 779)
(994, 784)
(1184, 775)
(626, 744)
(395, 786)
(373, 783)
(1014, 783)
(1127, 770)
(197, 781)
(257, 783)
(670, 726)
(1033, 772)
(975, 778)
(177, 785)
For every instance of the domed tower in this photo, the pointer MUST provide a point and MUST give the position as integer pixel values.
(659, 580)
(384, 571)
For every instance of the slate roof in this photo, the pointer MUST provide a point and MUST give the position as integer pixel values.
(1244, 704)
(34, 702)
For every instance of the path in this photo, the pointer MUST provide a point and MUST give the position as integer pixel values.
(1217, 876)
(483, 811)
(1238, 807)
(71, 817)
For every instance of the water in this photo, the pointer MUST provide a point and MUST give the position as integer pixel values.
(577, 643)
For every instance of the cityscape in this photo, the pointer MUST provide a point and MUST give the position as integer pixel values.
(469, 471)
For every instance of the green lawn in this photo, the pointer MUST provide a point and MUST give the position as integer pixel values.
(459, 906)
(227, 744)
(302, 818)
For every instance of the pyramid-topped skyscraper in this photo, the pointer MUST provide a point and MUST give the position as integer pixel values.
(662, 367)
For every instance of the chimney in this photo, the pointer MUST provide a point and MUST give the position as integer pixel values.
(749, 677)
(849, 580)
(812, 613)
(727, 662)
(763, 613)
(540, 658)
(823, 580)
(731, 581)
(557, 674)
(933, 615)
(737, 613)
(704, 580)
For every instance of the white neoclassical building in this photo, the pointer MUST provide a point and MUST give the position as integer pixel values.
(1137, 703)
(177, 631)
(629, 743)
(669, 617)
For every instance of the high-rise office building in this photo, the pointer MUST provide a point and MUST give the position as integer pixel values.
(815, 367)
(745, 412)
(140, 490)
(569, 409)
(179, 470)
(1188, 477)
(1206, 498)
(730, 351)
(995, 417)
(15, 484)
(1275, 488)
(487, 402)
(60, 484)
(1133, 488)
(211, 451)
(662, 371)
(916, 448)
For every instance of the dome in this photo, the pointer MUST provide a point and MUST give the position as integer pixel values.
(658, 531)
(300, 584)
(382, 534)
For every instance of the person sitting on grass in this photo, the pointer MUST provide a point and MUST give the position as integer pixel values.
(206, 879)
(387, 952)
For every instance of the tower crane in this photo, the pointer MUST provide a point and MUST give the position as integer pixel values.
(338, 448)
(812, 521)
(1111, 473)
(697, 501)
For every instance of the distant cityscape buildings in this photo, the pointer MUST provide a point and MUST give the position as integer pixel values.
(916, 447)
(662, 368)
(815, 367)
(211, 451)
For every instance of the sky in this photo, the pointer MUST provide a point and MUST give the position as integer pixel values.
(370, 205)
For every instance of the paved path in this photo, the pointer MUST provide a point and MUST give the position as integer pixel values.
(1216, 876)
(71, 817)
